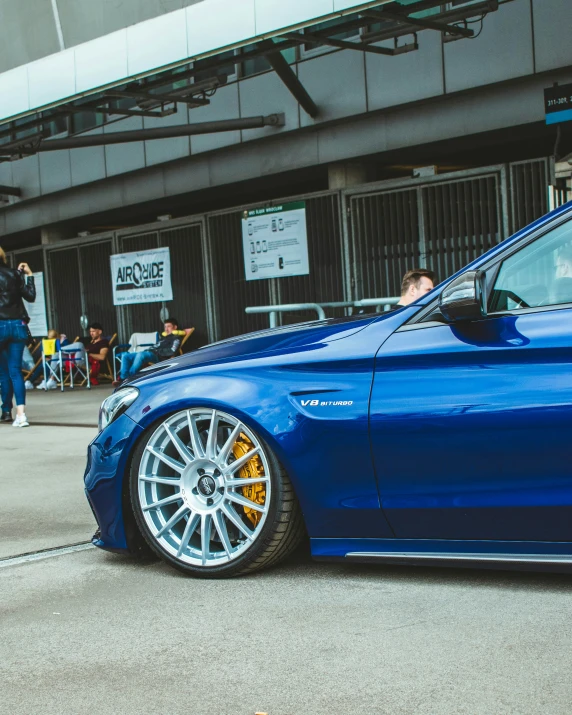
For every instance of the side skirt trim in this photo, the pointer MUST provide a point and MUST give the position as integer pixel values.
(411, 556)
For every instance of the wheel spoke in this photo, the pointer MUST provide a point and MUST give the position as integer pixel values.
(192, 524)
(196, 443)
(234, 483)
(213, 432)
(163, 502)
(220, 526)
(206, 527)
(177, 516)
(243, 501)
(241, 461)
(181, 448)
(169, 461)
(204, 531)
(225, 451)
(155, 479)
(233, 517)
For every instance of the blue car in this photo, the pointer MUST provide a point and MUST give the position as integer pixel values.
(439, 433)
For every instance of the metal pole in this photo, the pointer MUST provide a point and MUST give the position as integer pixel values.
(289, 78)
(225, 125)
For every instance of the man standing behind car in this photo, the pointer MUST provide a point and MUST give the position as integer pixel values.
(167, 347)
(415, 284)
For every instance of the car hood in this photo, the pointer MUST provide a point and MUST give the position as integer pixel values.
(282, 340)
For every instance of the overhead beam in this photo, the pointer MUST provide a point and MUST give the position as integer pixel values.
(79, 109)
(182, 130)
(425, 23)
(405, 27)
(159, 99)
(310, 39)
(10, 190)
(289, 77)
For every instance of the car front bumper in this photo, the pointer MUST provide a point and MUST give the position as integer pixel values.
(107, 461)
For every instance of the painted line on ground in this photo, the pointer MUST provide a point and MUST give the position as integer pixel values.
(44, 554)
(33, 423)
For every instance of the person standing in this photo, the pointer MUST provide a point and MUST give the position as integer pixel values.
(6, 390)
(15, 285)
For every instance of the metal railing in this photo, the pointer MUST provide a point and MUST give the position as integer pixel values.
(273, 310)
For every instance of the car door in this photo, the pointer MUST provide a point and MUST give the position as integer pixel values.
(471, 423)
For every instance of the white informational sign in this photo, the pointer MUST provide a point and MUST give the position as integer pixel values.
(37, 310)
(275, 242)
(141, 277)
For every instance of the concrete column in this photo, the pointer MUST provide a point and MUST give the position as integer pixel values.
(52, 234)
(344, 175)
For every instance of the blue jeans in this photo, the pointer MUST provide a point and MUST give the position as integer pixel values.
(131, 363)
(5, 384)
(13, 337)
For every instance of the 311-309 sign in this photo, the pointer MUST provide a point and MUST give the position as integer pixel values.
(558, 104)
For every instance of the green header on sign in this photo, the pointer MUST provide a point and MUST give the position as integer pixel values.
(263, 211)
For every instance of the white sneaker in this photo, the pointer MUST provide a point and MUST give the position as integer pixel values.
(29, 385)
(20, 421)
(51, 384)
(42, 385)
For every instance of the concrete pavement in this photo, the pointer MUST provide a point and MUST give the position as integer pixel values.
(91, 632)
(94, 633)
(79, 406)
(41, 469)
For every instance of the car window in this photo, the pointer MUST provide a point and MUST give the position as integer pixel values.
(540, 274)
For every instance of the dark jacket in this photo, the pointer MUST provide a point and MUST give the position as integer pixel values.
(167, 346)
(14, 286)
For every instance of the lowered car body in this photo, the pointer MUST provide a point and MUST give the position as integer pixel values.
(437, 433)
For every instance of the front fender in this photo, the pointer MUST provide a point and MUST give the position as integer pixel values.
(323, 447)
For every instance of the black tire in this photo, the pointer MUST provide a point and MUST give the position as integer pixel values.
(279, 536)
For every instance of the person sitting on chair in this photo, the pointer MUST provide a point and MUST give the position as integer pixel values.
(96, 351)
(167, 347)
(59, 341)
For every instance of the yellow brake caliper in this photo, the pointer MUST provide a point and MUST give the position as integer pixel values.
(252, 468)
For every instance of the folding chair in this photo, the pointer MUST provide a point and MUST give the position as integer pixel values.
(109, 372)
(188, 333)
(38, 362)
(77, 361)
(52, 367)
(137, 343)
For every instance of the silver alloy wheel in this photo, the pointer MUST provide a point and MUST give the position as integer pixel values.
(191, 492)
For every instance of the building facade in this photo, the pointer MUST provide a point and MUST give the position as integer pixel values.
(414, 131)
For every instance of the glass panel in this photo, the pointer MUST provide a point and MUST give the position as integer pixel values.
(256, 65)
(310, 49)
(55, 125)
(539, 274)
(85, 120)
(207, 71)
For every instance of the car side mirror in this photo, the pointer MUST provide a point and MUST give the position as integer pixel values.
(464, 298)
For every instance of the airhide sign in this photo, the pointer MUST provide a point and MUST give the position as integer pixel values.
(141, 277)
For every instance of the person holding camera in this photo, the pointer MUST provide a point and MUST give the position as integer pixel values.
(15, 286)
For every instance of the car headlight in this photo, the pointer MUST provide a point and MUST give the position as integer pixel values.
(115, 404)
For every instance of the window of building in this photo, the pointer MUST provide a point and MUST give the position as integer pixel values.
(311, 50)
(211, 67)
